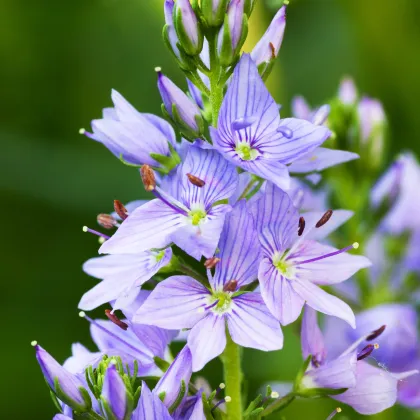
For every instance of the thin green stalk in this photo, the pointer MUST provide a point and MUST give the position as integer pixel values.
(92, 416)
(231, 359)
(192, 273)
(278, 405)
(216, 89)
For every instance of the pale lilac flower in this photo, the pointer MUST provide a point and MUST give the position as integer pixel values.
(268, 46)
(131, 135)
(399, 184)
(251, 134)
(150, 407)
(121, 276)
(61, 417)
(189, 217)
(294, 266)
(189, 304)
(114, 393)
(370, 389)
(371, 118)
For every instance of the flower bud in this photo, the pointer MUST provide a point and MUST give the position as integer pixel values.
(187, 28)
(214, 11)
(66, 386)
(233, 33)
(114, 395)
(347, 92)
(269, 45)
(180, 108)
(372, 122)
(249, 6)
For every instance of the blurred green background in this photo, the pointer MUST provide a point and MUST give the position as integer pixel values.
(59, 61)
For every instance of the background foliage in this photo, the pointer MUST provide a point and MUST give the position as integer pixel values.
(59, 62)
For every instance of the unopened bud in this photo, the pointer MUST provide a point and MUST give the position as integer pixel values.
(324, 219)
(120, 209)
(113, 318)
(347, 92)
(214, 11)
(230, 286)
(114, 394)
(249, 6)
(211, 262)
(106, 221)
(195, 180)
(187, 28)
(148, 177)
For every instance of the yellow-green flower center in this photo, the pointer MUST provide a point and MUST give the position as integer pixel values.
(223, 301)
(159, 256)
(283, 266)
(197, 216)
(246, 152)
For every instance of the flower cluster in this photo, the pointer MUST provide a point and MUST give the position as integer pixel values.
(237, 242)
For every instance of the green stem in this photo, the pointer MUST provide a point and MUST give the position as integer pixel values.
(92, 416)
(192, 273)
(231, 359)
(278, 405)
(216, 89)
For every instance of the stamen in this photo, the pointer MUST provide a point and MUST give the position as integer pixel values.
(158, 69)
(120, 209)
(82, 131)
(148, 177)
(302, 224)
(225, 400)
(230, 286)
(34, 343)
(211, 262)
(95, 232)
(376, 333)
(170, 201)
(195, 180)
(243, 122)
(274, 395)
(367, 351)
(336, 411)
(113, 318)
(340, 251)
(324, 219)
(106, 221)
(287, 132)
(273, 50)
(82, 314)
(315, 362)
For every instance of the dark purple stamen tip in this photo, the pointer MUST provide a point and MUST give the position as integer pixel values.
(287, 132)
(367, 351)
(376, 333)
(302, 224)
(324, 219)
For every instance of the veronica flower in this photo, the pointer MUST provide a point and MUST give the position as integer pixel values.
(189, 304)
(131, 135)
(370, 389)
(320, 158)
(399, 184)
(347, 92)
(251, 134)
(121, 276)
(294, 266)
(191, 217)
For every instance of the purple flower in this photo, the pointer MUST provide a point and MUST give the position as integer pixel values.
(294, 266)
(347, 92)
(234, 26)
(61, 417)
(400, 185)
(269, 45)
(251, 134)
(170, 383)
(187, 28)
(179, 106)
(81, 358)
(189, 217)
(121, 275)
(114, 393)
(150, 407)
(370, 389)
(132, 135)
(67, 386)
(189, 304)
